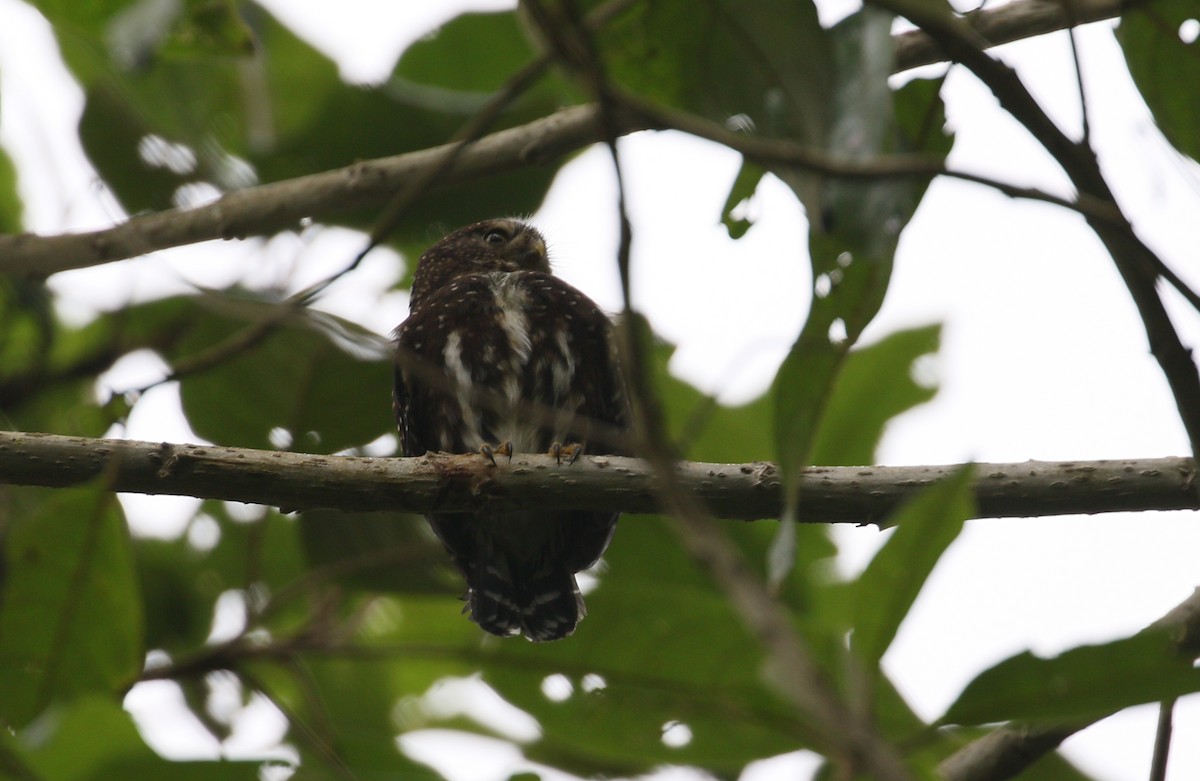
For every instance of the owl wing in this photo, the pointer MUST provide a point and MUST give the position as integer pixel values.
(429, 412)
(574, 359)
(564, 320)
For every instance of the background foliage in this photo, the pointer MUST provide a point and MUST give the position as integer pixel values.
(347, 623)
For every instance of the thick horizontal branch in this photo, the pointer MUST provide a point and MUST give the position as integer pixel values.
(282, 205)
(297, 481)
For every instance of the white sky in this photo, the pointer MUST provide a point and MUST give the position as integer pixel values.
(1043, 354)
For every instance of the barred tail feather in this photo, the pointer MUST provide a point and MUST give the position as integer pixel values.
(546, 606)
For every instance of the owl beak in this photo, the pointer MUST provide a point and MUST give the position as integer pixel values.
(533, 254)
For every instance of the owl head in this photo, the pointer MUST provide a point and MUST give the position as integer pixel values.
(502, 245)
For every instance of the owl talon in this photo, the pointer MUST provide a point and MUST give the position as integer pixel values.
(491, 451)
(571, 452)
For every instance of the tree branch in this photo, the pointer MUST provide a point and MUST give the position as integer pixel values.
(1011, 22)
(295, 481)
(1139, 267)
(281, 205)
(1010, 749)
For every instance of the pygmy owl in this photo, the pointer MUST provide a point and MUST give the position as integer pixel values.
(498, 351)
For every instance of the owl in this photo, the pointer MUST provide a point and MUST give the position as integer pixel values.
(498, 355)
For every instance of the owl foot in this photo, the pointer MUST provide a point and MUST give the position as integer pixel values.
(571, 452)
(491, 451)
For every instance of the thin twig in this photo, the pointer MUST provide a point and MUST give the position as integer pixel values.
(772, 151)
(1162, 741)
(1068, 9)
(323, 742)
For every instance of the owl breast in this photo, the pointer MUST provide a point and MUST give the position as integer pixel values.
(507, 345)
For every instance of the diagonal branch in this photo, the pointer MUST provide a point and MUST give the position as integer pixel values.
(295, 481)
(281, 205)
(1011, 749)
(1011, 22)
(1138, 265)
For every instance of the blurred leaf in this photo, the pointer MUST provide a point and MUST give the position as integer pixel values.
(708, 431)
(63, 408)
(182, 580)
(181, 112)
(1166, 67)
(875, 385)
(703, 429)
(111, 136)
(12, 210)
(27, 331)
(70, 621)
(921, 120)
(851, 243)
(663, 645)
(48, 370)
(924, 528)
(647, 656)
(209, 27)
(347, 711)
(93, 739)
(851, 260)
(386, 552)
(177, 603)
(1085, 682)
(1055, 767)
(683, 54)
(295, 379)
(740, 193)
(459, 65)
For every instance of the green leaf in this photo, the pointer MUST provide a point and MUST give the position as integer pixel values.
(875, 385)
(70, 621)
(295, 379)
(764, 60)
(885, 592)
(852, 241)
(385, 552)
(47, 370)
(11, 208)
(645, 657)
(921, 120)
(850, 245)
(740, 193)
(363, 701)
(702, 428)
(462, 63)
(171, 109)
(28, 326)
(1085, 682)
(1165, 67)
(206, 28)
(93, 739)
(181, 581)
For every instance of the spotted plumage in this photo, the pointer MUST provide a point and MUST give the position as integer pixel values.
(498, 350)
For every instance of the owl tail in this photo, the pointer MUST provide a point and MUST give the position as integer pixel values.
(544, 605)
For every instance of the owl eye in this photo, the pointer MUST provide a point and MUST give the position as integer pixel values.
(495, 238)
